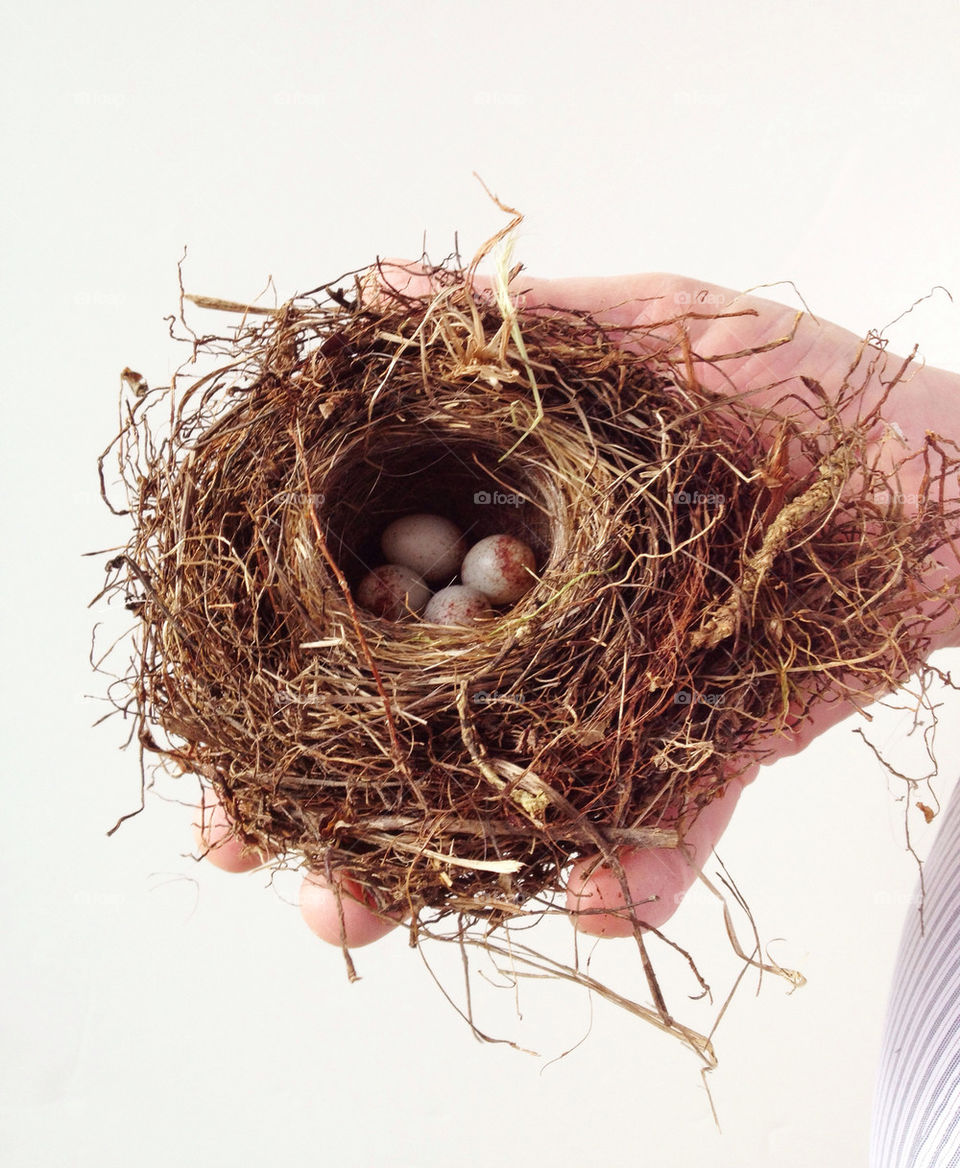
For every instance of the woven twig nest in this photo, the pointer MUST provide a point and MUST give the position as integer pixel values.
(690, 596)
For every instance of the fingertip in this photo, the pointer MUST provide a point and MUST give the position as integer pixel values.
(396, 279)
(657, 879)
(213, 834)
(319, 909)
(393, 279)
(595, 897)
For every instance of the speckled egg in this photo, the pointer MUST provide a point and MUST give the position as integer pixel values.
(500, 567)
(457, 605)
(429, 544)
(387, 591)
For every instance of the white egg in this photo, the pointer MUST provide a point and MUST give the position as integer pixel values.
(457, 605)
(387, 591)
(430, 544)
(500, 567)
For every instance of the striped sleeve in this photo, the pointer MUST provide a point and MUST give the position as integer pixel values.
(916, 1105)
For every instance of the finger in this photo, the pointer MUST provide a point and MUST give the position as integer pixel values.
(731, 319)
(362, 925)
(216, 837)
(728, 341)
(661, 876)
(731, 342)
(656, 878)
(390, 280)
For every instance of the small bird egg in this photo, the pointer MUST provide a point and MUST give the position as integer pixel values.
(457, 605)
(497, 566)
(430, 544)
(389, 589)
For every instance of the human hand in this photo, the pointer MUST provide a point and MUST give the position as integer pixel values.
(703, 323)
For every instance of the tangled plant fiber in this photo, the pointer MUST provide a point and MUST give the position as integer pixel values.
(695, 595)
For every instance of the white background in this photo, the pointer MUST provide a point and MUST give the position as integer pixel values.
(155, 1011)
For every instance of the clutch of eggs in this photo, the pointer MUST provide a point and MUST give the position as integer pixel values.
(424, 549)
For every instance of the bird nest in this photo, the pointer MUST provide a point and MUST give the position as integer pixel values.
(695, 592)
